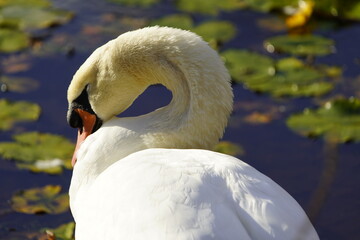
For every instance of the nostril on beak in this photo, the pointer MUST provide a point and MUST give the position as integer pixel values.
(74, 119)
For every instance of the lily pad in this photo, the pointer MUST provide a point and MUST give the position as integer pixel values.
(287, 77)
(41, 200)
(27, 17)
(138, 3)
(229, 148)
(12, 112)
(182, 21)
(13, 40)
(211, 7)
(214, 32)
(243, 64)
(18, 84)
(63, 232)
(29, 3)
(302, 45)
(337, 120)
(39, 152)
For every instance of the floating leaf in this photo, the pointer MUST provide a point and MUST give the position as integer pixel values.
(243, 64)
(40, 200)
(337, 120)
(141, 3)
(349, 9)
(229, 148)
(39, 152)
(300, 45)
(29, 3)
(287, 77)
(13, 40)
(25, 17)
(177, 21)
(11, 112)
(220, 31)
(18, 84)
(258, 118)
(268, 5)
(210, 6)
(213, 31)
(63, 232)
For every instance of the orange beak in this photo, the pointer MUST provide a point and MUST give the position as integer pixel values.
(88, 123)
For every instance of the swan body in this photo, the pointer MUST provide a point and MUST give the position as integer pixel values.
(146, 177)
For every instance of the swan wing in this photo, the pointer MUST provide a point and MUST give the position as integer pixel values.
(187, 194)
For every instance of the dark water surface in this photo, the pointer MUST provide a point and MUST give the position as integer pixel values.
(294, 162)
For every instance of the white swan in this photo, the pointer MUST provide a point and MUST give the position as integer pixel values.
(133, 178)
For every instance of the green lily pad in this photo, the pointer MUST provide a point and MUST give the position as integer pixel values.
(176, 21)
(29, 3)
(243, 64)
(63, 232)
(337, 121)
(214, 32)
(287, 77)
(300, 45)
(39, 152)
(27, 17)
(18, 84)
(40, 200)
(349, 9)
(220, 31)
(229, 148)
(13, 40)
(210, 6)
(138, 3)
(12, 112)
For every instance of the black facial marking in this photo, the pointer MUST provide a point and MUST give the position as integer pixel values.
(81, 102)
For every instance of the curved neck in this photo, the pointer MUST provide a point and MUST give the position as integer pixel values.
(202, 101)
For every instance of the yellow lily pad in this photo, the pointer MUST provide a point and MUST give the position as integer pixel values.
(12, 112)
(41, 200)
(337, 120)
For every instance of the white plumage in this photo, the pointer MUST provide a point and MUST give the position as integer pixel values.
(137, 178)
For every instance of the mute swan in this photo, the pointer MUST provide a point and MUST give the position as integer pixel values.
(137, 178)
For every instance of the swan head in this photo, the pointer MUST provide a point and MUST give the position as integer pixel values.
(116, 73)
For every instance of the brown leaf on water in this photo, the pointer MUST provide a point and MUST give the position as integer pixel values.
(258, 118)
(16, 63)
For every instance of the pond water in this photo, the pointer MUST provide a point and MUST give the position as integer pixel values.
(296, 163)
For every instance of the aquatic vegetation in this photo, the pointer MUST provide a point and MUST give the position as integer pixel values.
(302, 45)
(12, 112)
(336, 121)
(214, 32)
(229, 148)
(62, 232)
(285, 77)
(19, 18)
(39, 152)
(46, 199)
